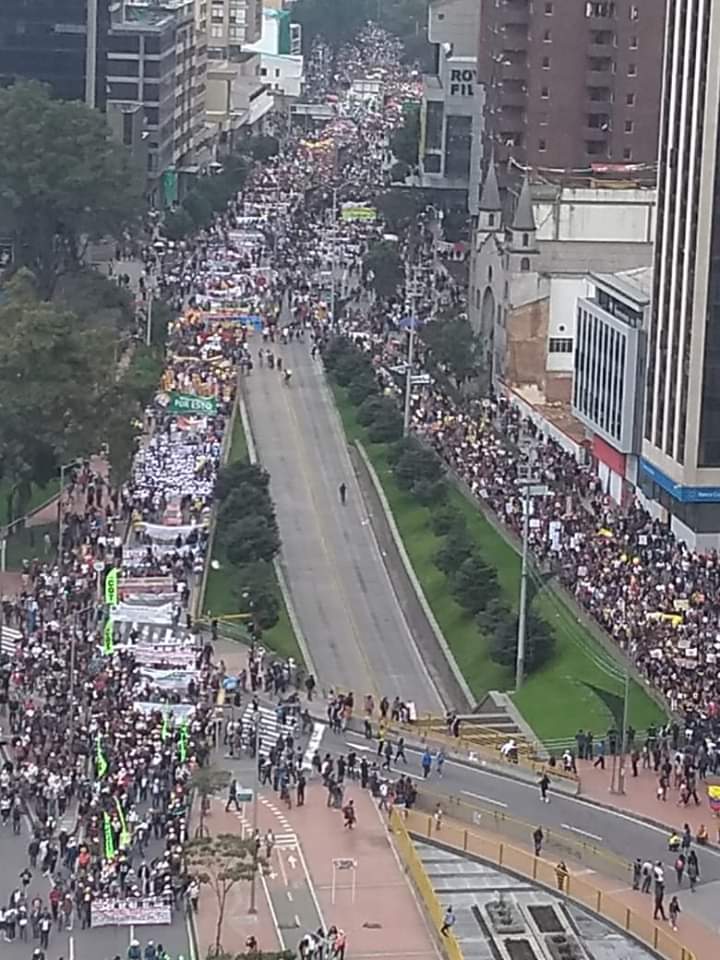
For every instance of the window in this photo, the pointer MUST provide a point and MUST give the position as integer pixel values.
(525, 264)
(490, 275)
(560, 345)
(263, 71)
(491, 219)
(548, 9)
(627, 153)
(630, 99)
(277, 73)
(546, 63)
(525, 240)
(542, 145)
(216, 33)
(123, 68)
(628, 126)
(632, 70)
(633, 43)
(432, 163)
(547, 37)
(543, 118)
(634, 12)
(545, 93)
(127, 133)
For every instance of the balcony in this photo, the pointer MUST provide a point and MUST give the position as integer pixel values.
(599, 78)
(601, 50)
(510, 122)
(601, 106)
(515, 13)
(595, 135)
(514, 71)
(512, 98)
(515, 40)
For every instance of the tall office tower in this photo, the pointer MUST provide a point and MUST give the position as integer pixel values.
(571, 83)
(59, 42)
(231, 25)
(680, 469)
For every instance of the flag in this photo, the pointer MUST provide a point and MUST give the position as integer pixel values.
(184, 736)
(108, 645)
(109, 838)
(165, 728)
(101, 763)
(111, 588)
(714, 798)
(124, 832)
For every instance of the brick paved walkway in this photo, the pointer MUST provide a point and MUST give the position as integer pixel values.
(239, 924)
(640, 798)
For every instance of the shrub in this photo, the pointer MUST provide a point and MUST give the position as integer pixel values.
(362, 387)
(429, 492)
(246, 500)
(474, 584)
(443, 519)
(457, 547)
(237, 473)
(251, 539)
(368, 410)
(539, 642)
(256, 594)
(387, 425)
(416, 463)
(349, 367)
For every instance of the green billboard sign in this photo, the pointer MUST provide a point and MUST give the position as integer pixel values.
(188, 404)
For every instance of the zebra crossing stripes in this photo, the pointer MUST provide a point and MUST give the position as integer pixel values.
(270, 728)
(9, 640)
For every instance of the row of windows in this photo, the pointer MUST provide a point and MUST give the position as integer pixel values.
(592, 148)
(598, 8)
(546, 64)
(600, 377)
(632, 41)
(560, 345)
(629, 97)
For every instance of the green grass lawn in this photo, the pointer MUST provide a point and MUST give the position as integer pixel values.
(220, 599)
(555, 700)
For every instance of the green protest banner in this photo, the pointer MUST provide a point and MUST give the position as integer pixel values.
(351, 212)
(111, 588)
(108, 644)
(109, 837)
(190, 404)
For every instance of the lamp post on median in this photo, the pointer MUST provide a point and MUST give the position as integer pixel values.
(63, 468)
(256, 785)
(411, 282)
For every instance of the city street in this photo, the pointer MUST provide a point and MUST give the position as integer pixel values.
(358, 637)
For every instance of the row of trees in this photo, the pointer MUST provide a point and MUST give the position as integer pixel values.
(472, 581)
(211, 194)
(249, 539)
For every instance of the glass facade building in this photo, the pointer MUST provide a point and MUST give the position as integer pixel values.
(47, 40)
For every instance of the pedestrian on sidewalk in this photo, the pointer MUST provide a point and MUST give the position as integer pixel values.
(438, 817)
(693, 870)
(426, 763)
(561, 875)
(440, 762)
(342, 490)
(600, 754)
(647, 875)
(400, 751)
(680, 868)
(538, 837)
(637, 873)
(448, 922)
(674, 911)
(233, 795)
(349, 815)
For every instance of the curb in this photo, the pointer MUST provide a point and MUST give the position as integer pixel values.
(633, 815)
(277, 566)
(417, 587)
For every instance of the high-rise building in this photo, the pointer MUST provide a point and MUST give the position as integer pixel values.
(571, 83)
(231, 25)
(680, 470)
(58, 42)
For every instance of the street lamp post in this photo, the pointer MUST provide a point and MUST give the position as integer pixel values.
(333, 258)
(522, 612)
(411, 277)
(63, 468)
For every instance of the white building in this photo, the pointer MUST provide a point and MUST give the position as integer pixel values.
(279, 47)
(450, 140)
(680, 470)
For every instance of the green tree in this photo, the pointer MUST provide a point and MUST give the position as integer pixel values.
(205, 782)
(444, 519)
(198, 208)
(430, 492)
(539, 642)
(416, 463)
(364, 385)
(221, 863)
(240, 472)
(400, 207)
(177, 224)
(405, 141)
(256, 593)
(63, 180)
(250, 539)
(387, 425)
(454, 347)
(456, 548)
(55, 391)
(350, 366)
(383, 262)
(369, 409)
(246, 500)
(474, 584)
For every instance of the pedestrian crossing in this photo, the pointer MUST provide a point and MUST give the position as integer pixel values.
(9, 640)
(270, 728)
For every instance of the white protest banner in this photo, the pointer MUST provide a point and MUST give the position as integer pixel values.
(139, 613)
(169, 679)
(106, 913)
(180, 658)
(158, 531)
(142, 585)
(180, 711)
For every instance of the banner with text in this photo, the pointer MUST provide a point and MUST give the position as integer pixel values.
(105, 913)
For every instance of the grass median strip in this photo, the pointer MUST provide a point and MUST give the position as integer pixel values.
(226, 591)
(570, 690)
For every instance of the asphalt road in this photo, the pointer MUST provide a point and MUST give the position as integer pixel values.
(357, 634)
(612, 831)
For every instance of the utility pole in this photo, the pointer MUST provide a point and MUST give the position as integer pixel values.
(73, 645)
(333, 258)
(253, 880)
(522, 612)
(411, 283)
(617, 775)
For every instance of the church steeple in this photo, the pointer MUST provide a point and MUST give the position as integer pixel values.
(490, 207)
(522, 229)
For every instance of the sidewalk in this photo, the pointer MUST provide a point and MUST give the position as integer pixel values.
(640, 798)
(238, 924)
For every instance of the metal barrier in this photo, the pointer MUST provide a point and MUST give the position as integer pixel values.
(463, 749)
(421, 881)
(610, 907)
(555, 841)
(487, 737)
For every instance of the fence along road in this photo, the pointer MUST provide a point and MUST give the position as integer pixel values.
(356, 631)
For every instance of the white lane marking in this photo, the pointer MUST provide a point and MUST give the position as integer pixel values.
(71, 948)
(583, 833)
(283, 871)
(289, 896)
(313, 744)
(479, 796)
(311, 887)
(271, 907)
